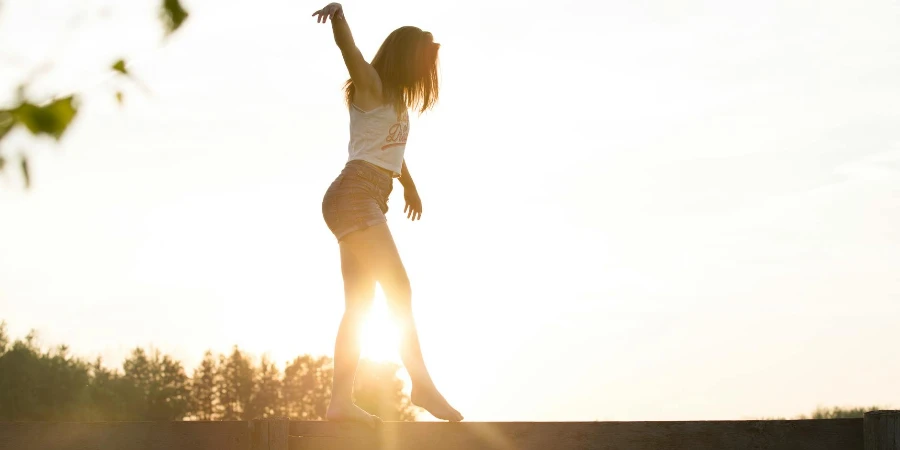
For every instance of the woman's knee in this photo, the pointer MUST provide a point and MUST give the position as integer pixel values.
(399, 297)
(396, 284)
(357, 309)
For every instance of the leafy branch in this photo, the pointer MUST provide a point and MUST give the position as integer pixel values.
(53, 118)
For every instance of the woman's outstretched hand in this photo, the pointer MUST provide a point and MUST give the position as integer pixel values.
(330, 11)
(413, 207)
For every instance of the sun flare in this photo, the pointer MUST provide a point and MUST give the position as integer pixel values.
(380, 340)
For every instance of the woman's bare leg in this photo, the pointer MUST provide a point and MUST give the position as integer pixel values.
(359, 291)
(375, 248)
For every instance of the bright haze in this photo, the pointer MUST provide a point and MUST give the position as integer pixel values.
(632, 210)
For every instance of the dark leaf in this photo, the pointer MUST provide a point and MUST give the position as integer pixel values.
(25, 172)
(119, 66)
(7, 120)
(2, 163)
(52, 119)
(173, 15)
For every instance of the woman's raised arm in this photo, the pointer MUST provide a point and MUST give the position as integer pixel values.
(364, 76)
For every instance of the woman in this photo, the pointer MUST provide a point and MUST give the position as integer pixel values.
(402, 75)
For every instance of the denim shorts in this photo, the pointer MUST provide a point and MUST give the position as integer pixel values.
(357, 198)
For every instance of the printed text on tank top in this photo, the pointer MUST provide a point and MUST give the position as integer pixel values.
(398, 132)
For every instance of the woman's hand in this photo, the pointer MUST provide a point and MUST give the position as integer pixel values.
(330, 11)
(413, 207)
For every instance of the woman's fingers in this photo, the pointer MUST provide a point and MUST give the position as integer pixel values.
(328, 12)
(413, 212)
(323, 15)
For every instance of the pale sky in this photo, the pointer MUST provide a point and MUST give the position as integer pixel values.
(632, 210)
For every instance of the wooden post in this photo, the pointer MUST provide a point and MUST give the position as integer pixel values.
(278, 433)
(881, 430)
(259, 434)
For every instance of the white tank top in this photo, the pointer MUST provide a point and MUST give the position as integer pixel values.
(378, 136)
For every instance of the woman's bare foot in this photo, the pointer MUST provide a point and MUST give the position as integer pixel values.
(348, 412)
(434, 403)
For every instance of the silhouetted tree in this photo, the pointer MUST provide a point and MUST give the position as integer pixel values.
(204, 396)
(838, 412)
(266, 398)
(105, 396)
(4, 338)
(37, 385)
(234, 382)
(157, 387)
(306, 388)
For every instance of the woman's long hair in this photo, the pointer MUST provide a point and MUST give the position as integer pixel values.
(407, 64)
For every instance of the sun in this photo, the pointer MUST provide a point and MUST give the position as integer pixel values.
(380, 338)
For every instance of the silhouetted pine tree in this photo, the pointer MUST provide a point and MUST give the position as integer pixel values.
(204, 395)
(234, 383)
(266, 399)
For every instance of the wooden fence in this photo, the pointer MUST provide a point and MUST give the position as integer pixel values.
(879, 430)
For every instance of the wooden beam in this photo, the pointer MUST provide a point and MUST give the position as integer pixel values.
(882, 430)
(278, 433)
(125, 435)
(259, 434)
(833, 434)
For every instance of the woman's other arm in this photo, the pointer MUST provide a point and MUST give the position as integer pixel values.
(413, 208)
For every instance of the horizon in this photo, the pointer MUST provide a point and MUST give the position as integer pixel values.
(420, 415)
(646, 212)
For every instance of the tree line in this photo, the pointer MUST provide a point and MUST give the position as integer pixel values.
(53, 385)
(834, 412)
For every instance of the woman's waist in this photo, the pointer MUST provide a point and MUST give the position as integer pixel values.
(389, 159)
(389, 165)
(369, 171)
(388, 172)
